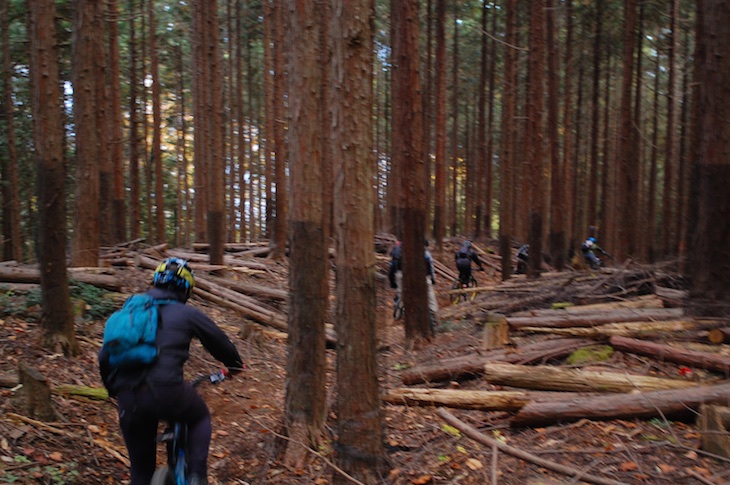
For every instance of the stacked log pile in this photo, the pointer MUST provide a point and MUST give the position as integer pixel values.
(551, 317)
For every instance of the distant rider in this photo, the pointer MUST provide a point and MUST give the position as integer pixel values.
(395, 275)
(523, 256)
(589, 248)
(464, 257)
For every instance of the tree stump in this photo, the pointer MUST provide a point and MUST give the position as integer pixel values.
(714, 423)
(496, 332)
(35, 395)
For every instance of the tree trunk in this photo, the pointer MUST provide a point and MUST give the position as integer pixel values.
(408, 159)
(439, 209)
(627, 189)
(509, 132)
(85, 70)
(305, 403)
(12, 247)
(281, 202)
(709, 254)
(135, 207)
(57, 319)
(156, 148)
(118, 217)
(556, 238)
(360, 438)
(535, 134)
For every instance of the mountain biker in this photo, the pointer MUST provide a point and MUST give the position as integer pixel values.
(464, 257)
(158, 391)
(395, 275)
(395, 270)
(433, 306)
(589, 248)
(523, 256)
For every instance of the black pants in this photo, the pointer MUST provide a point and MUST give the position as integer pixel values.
(464, 267)
(140, 411)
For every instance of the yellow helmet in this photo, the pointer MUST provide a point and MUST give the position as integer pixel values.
(175, 273)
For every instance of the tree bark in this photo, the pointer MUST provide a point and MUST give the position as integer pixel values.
(439, 209)
(12, 247)
(407, 158)
(305, 400)
(359, 446)
(85, 70)
(709, 254)
(281, 202)
(57, 319)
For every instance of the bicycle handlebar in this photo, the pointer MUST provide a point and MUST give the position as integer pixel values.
(214, 378)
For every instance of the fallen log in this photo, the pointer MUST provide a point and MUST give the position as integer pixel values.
(251, 289)
(9, 274)
(644, 301)
(625, 329)
(472, 365)
(671, 404)
(702, 360)
(564, 319)
(548, 378)
(671, 297)
(719, 335)
(510, 401)
(473, 433)
(227, 260)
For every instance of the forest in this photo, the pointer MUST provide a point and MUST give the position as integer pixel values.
(615, 83)
(313, 127)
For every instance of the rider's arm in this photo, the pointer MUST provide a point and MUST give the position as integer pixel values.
(216, 342)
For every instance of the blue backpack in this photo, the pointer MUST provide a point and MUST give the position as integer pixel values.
(130, 332)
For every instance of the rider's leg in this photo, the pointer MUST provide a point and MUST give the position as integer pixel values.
(464, 267)
(593, 261)
(433, 306)
(191, 408)
(138, 423)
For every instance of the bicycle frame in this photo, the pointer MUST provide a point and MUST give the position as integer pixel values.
(175, 437)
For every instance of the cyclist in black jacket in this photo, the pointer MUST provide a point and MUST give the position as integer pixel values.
(159, 392)
(463, 259)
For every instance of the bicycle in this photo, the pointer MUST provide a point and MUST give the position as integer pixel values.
(175, 437)
(463, 295)
(399, 309)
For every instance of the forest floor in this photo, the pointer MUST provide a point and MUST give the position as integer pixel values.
(83, 444)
